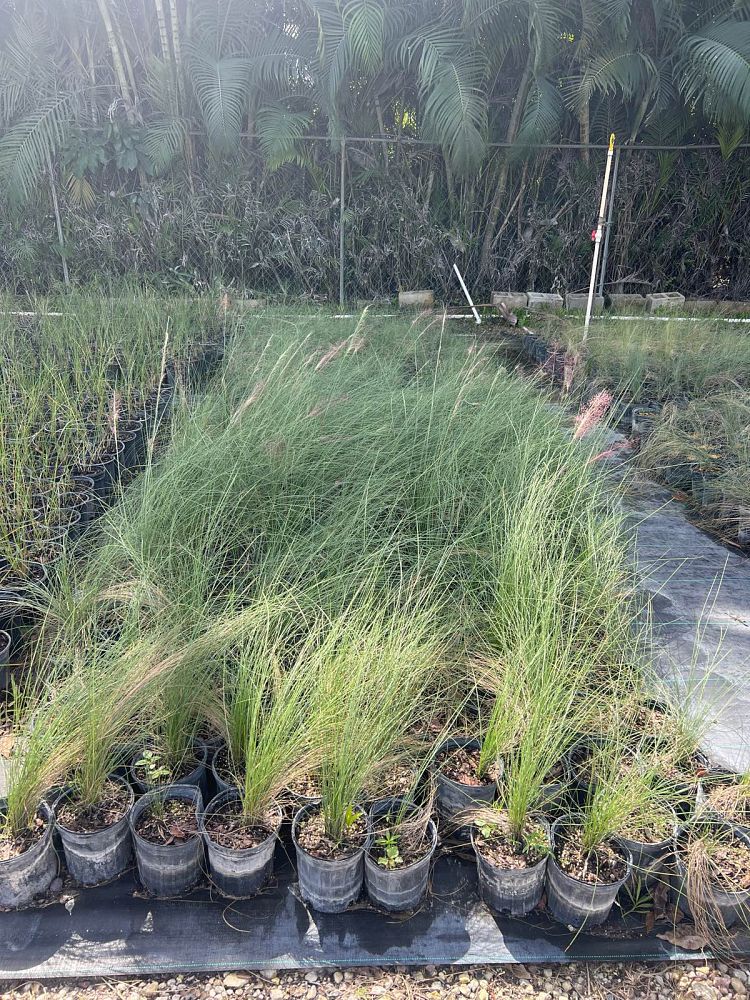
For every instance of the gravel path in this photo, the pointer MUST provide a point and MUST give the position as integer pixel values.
(634, 981)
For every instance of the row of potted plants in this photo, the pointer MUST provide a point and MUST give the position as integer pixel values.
(78, 410)
(351, 551)
(697, 446)
(610, 826)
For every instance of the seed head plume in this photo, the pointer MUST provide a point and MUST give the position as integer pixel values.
(592, 414)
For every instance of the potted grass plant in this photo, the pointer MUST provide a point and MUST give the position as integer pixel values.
(263, 714)
(536, 709)
(403, 841)
(360, 721)
(164, 825)
(589, 862)
(28, 860)
(726, 796)
(711, 881)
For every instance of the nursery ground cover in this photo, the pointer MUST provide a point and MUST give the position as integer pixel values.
(370, 571)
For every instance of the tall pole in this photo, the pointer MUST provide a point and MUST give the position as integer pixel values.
(610, 207)
(598, 236)
(342, 194)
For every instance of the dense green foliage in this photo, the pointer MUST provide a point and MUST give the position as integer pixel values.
(178, 137)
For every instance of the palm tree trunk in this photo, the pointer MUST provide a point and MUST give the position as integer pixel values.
(519, 103)
(176, 46)
(161, 21)
(584, 126)
(119, 67)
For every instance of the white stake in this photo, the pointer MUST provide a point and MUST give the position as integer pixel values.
(598, 236)
(477, 317)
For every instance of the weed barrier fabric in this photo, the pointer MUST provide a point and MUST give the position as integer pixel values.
(114, 930)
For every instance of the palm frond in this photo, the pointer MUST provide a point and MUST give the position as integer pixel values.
(455, 110)
(714, 69)
(26, 145)
(543, 113)
(364, 21)
(164, 141)
(220, 87)
(279, 131)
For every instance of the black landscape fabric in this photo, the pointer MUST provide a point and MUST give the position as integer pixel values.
(113, 930)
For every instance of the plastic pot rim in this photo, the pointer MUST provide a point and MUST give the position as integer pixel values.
(233, 795)
(65, 794)
(166, 792)
(614, 839)
(347, 857)
(543, 861)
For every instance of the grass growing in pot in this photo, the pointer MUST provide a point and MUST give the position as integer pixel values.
(263, 717)
(712, 879)
(361, 717)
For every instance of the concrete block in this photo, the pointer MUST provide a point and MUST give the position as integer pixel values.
(664, 300)
(251, 303)
(718, 307)
(579, 300)
(422, 299)
(626, 300)
(512, 300)
(544, 300)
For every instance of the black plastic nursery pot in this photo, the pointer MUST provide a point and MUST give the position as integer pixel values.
(238, 873)
(198, 776)
(328, 886)
(733, 907)
(580, 904)
(101, 855)
(4, 660)
(167, 870)
(649, 858)
(220, 781)
(703, 802)
(455, 797)
(516, 891)
(398, 889)
(17, 614)
(28, 876)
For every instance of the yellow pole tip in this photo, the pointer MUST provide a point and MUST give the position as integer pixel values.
(612, 142)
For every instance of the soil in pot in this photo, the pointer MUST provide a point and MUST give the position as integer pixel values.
(498, 846)
(602, 866)
(461, 764)
(170, 822)
(14, 846)
(397, 781)
(305, 788)
(397, 845)
(91, 818)
(312, 837)
(729, 799)
(228, 827)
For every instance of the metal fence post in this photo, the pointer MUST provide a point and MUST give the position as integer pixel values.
(605, 250)
(342, 195)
